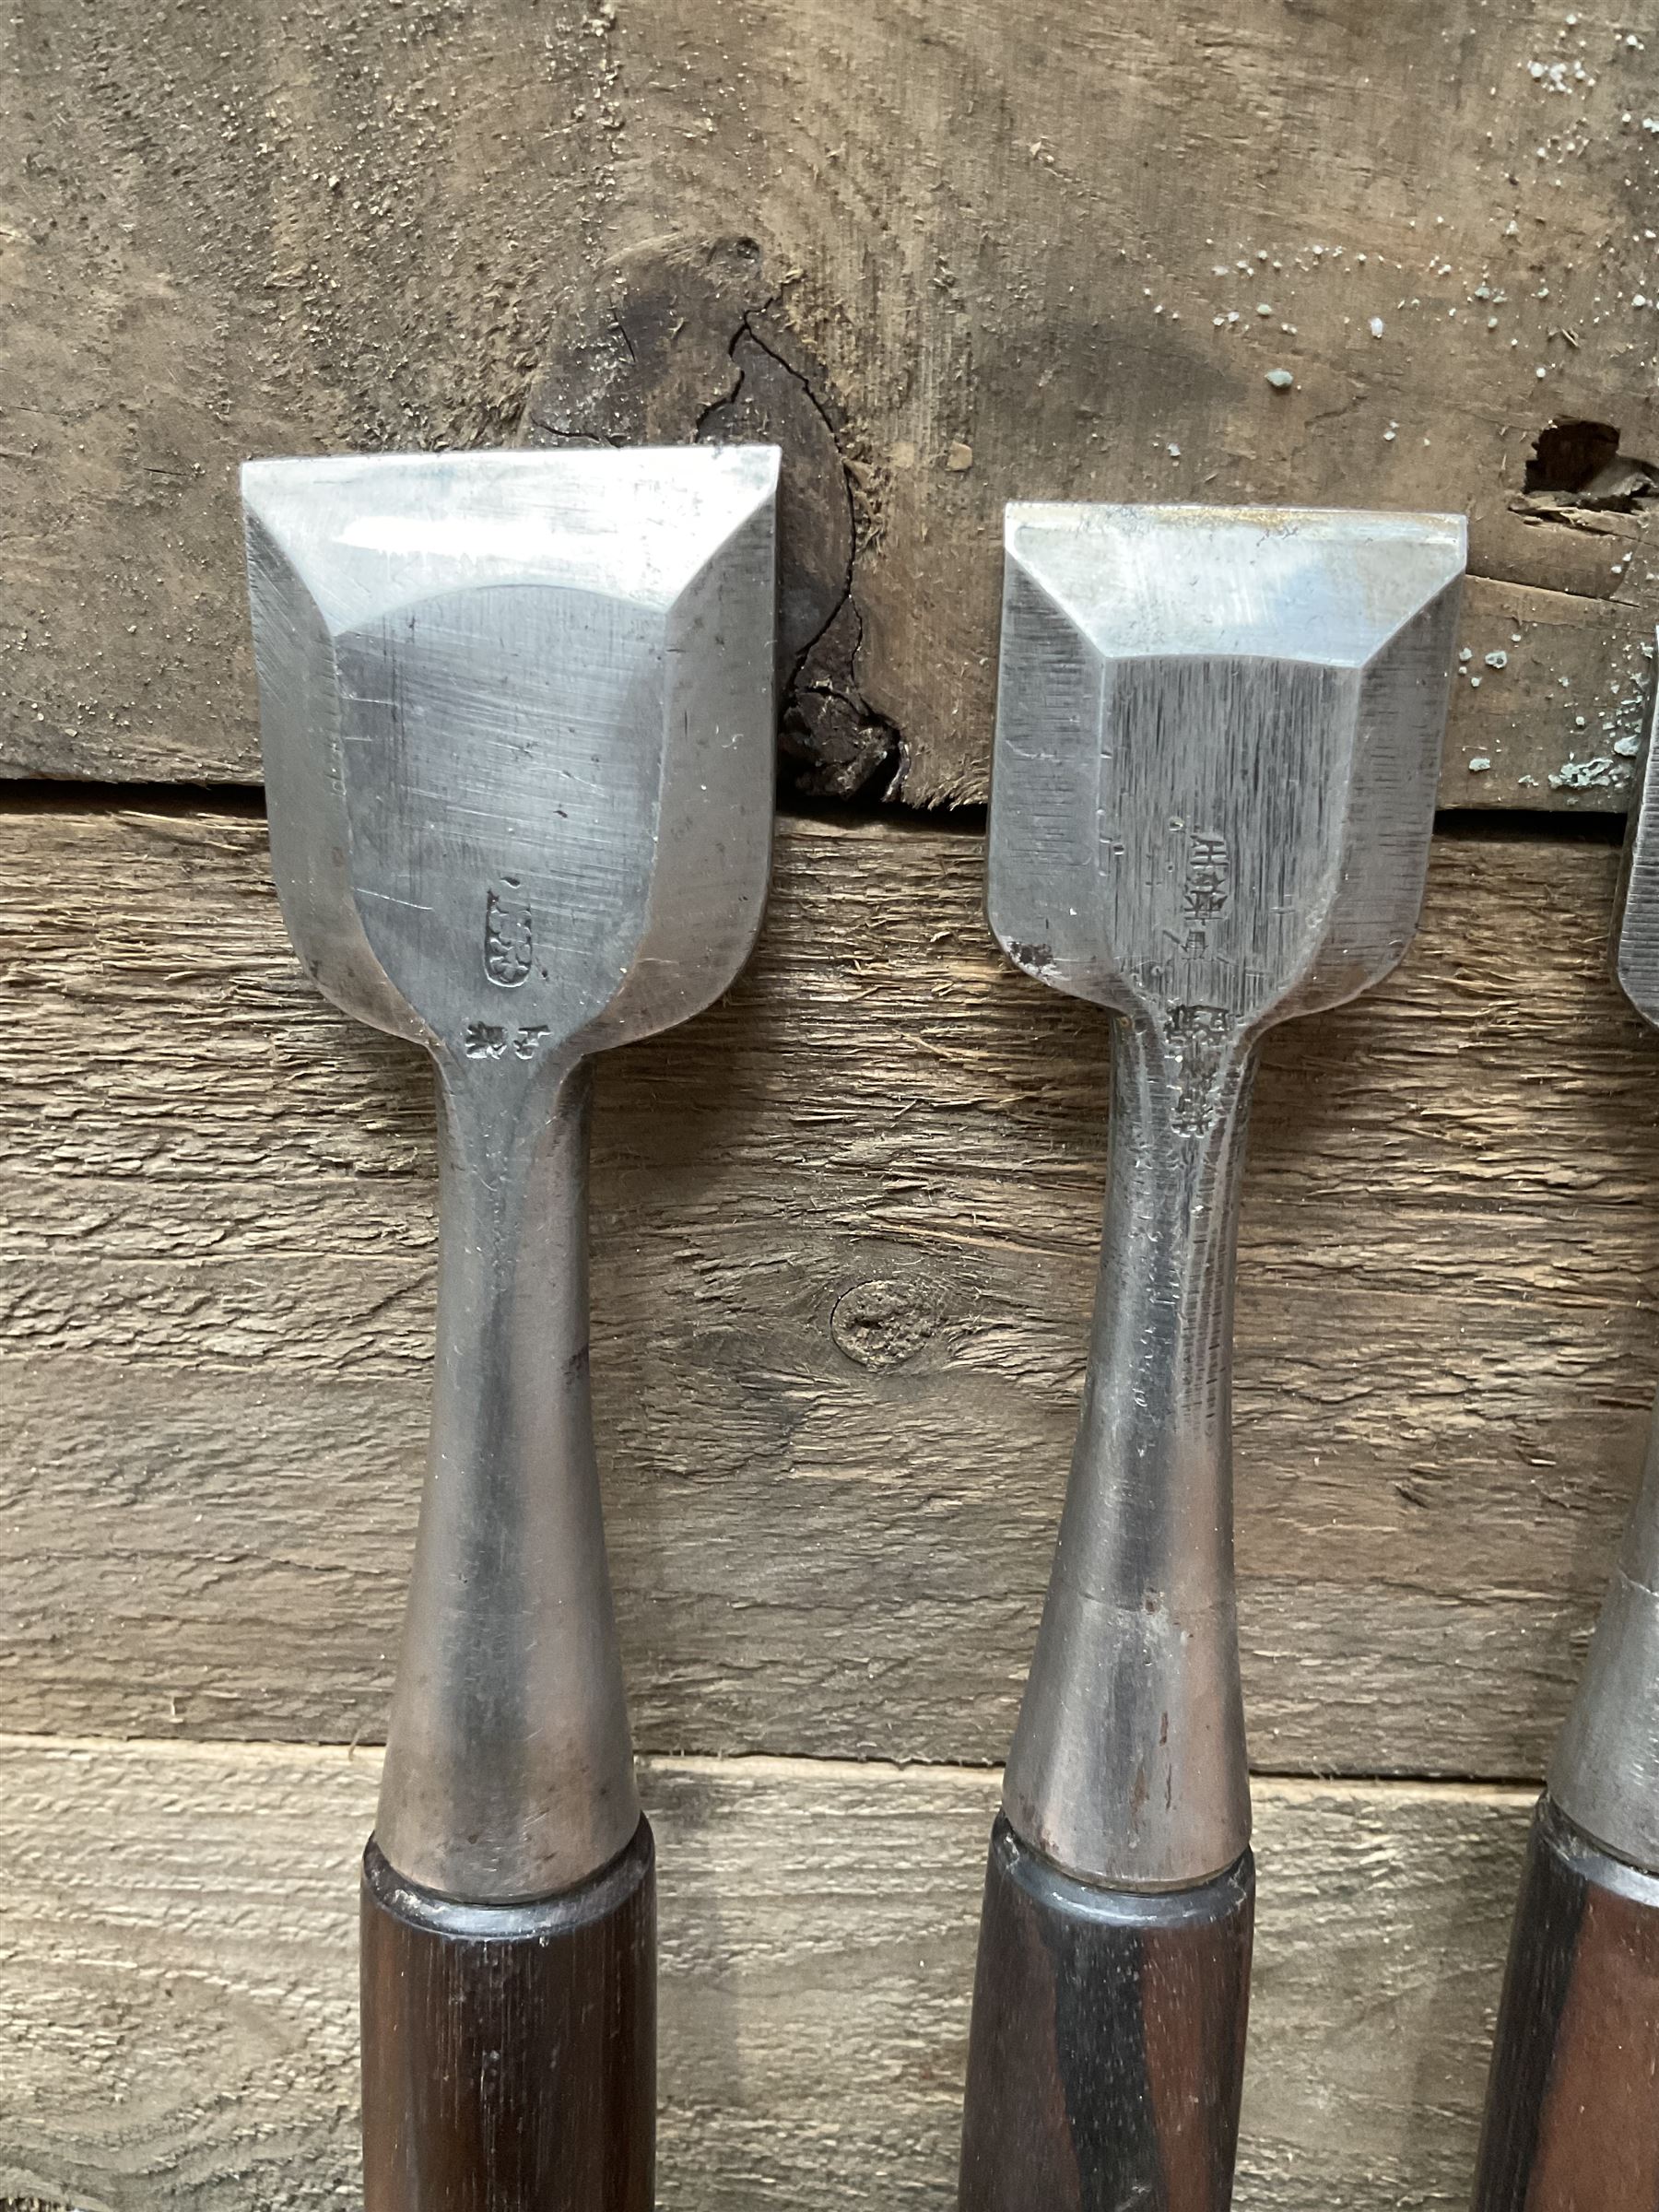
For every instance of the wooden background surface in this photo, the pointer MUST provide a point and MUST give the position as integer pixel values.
(844, 1224)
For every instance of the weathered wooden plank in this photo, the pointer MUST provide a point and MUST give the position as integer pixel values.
(1550, 708)
(844, 1239)
(899, 242)
(177, 2005)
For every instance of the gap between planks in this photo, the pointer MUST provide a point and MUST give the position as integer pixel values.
(852, 818)
(1292, 1789)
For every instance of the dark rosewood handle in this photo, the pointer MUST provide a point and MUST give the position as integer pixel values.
(1107, 2054)
(1573, 2102)
(510, 2051)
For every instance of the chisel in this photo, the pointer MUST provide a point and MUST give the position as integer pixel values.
(1573, 2102)
(1217, 742)
(517, 722)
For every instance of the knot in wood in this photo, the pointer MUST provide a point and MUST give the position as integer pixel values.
(884, 1322)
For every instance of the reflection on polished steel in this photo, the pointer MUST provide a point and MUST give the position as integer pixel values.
(517, 722)
(1218, 738)
(1604, 1775)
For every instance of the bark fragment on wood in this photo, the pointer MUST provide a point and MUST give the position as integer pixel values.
(687, 340)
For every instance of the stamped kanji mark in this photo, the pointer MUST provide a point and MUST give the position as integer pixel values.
(1208, 882)
(508, 941)
(488, 1041)
(1198, 1036)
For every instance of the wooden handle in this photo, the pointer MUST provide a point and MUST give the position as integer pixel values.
(1572, 2114)
(510, 2051)
(1107, 2052)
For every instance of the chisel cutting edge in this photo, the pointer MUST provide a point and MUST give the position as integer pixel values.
(1572, 2110)
(1218, 746)
(517, 722)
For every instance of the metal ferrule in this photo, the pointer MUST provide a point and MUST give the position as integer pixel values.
(509, 1769)
(1128, 1766)
(1605, 1774)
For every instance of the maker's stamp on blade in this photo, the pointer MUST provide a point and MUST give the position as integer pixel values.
(509, 939)
(1197, 1038)
(1208, 877)
(491, 1040)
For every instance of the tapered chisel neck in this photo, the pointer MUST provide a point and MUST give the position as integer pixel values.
(509, 1768)
(1129, 1765)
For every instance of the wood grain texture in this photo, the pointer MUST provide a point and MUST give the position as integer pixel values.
(508, 2060)
(1106, 2045)
(332, 225)
(1550, 707)
(844, 1236)
(1572, 2123)
(178, 2008)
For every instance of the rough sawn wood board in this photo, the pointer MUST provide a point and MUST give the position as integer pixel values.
(177, 2005)
(947, 257)
(845, 1228)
